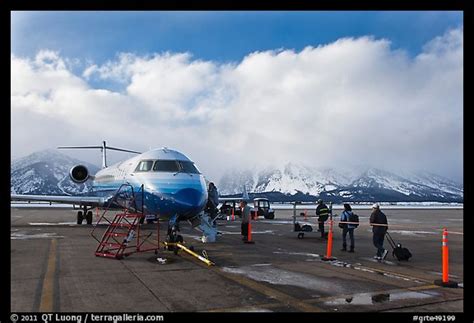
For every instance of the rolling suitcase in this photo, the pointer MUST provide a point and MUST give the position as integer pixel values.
(401, 253)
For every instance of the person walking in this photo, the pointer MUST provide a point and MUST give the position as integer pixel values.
(322, 212)
(379, 223)
(347, 228)
(245, 219)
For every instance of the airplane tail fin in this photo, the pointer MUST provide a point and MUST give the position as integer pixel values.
(245, 195)
(103, 149)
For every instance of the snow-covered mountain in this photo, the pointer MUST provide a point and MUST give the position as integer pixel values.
(367, 184)
(46, 172)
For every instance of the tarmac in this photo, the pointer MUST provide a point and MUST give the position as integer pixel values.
(54, 268)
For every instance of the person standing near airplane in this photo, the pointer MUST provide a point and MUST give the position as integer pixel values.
(245, 219)
(212, 199)
(322, 212)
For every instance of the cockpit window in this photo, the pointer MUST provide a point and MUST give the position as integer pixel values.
(166, 166)
(188, 167)
(144, 166)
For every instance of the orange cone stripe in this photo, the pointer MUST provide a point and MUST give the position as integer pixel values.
(249, 235)
(445, 256)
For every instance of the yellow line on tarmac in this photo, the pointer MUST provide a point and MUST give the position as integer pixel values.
(47, 293)
(426, 287)
(248, 308)
(265, 290)
(270, 292)
(383, 271)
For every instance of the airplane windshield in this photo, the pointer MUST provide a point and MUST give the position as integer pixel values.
(166, 166)
(188, 167)
(144, 166)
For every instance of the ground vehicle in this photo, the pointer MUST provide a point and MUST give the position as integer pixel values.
(227, 207)
(262, 206)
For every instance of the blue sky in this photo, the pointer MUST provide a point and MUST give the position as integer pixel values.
(398, 92)
(217, 36)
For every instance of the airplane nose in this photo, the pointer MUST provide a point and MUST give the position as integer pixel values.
(190, 198)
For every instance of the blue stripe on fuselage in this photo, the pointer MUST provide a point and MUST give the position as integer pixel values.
(183, 195)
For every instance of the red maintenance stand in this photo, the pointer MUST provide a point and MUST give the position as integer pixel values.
(124, 234)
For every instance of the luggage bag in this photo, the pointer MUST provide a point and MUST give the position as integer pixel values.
(401, 253)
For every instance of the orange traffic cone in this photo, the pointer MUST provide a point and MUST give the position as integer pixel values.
(249, 234)
(445, 282)
(329, 245)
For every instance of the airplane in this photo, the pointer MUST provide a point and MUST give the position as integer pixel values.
(173, 187)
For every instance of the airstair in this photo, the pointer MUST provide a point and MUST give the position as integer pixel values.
(124, 233)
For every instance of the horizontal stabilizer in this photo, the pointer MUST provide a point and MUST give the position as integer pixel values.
(103, 149)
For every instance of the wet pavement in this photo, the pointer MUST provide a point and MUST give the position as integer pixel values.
(54, 268)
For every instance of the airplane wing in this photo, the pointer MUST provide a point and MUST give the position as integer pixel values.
(79, 200)
(245, 197)
(229, 199)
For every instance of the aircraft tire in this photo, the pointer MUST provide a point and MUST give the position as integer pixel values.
(80, 217)
(89, 217)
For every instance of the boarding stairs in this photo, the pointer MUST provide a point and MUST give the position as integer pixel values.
(124, 234)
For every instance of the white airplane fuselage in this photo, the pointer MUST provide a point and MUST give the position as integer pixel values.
(172, 185)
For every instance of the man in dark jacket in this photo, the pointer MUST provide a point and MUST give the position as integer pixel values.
(245, 220)
(322, 212)
(212, 199)
(378, 220)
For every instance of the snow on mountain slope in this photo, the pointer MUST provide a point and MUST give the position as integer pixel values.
(364, 183)
(46, 173)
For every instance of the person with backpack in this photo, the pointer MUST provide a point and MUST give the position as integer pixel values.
(378, 221)
(348, 216)
(322, 212)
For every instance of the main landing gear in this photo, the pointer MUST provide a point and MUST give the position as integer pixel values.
(86, 214)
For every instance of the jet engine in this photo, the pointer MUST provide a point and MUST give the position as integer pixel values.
(79, 174)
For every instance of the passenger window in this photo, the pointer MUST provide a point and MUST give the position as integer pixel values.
(166, 166)
(144, 166)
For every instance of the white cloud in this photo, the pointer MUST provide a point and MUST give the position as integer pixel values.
(353, 101)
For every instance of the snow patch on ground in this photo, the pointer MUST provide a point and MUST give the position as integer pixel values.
(278, 276)
(25, 236)
(412, 233)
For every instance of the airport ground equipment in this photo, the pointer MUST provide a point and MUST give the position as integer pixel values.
(176, 246)
(124, 234)
(230, 208)
(261, 207)
(306, 228)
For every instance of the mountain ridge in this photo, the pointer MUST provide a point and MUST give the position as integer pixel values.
(46, 172)
(365, 184)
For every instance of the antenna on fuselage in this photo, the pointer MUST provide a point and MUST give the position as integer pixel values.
(103, 150)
